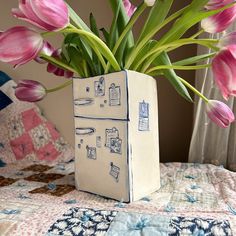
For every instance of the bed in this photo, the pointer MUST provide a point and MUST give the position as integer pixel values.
(38, 195)
(39, 199)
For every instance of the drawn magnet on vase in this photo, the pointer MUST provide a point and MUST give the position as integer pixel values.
(99, 87)
(115, 145)
(111, 133)
(114, 171)
(143, 124)
(114, 95)
(91, 152)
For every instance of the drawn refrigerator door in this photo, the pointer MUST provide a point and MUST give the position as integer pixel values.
(116, 136)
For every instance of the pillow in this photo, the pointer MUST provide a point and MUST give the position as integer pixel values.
(24, 133)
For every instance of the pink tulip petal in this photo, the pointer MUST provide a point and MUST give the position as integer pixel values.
(219, 22)
(47, 50)
(52, 12)
(216, 4)
(26, 13)
(224, 70)
(227, 40)
(130, 9)
(220, 113)
(19, 45)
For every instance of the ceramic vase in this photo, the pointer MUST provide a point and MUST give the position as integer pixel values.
(116, 135)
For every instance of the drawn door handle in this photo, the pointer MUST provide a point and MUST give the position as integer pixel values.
(85, 131)
(83, 101)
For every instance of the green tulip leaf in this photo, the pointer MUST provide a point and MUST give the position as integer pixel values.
(193, 60)
(163, 59)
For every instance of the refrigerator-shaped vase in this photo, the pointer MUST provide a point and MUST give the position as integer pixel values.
(116, 135)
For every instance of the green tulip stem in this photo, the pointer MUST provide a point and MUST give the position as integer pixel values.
(56, 62)
(157, 50)
(193, 89)
(197, 34)
(101, 46)
(165, 67)
(59, 87)
(128, 27)
(141, 43)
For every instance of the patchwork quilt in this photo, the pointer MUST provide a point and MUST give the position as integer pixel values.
(40, 199)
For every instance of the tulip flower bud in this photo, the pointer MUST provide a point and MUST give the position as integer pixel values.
(219, 113)
(19, 45)
(49, 15)
(150, 3)
(30, 91)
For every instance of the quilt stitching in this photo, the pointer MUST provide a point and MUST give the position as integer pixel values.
(54, 190)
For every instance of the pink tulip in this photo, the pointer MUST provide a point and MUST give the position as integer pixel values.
(49, 15)
(216, 4)
(130, 9)
(224, 71)
(30, 91)
(219, 22)
(56, 70)
(19, 45)
(219, 113)
(47, 50)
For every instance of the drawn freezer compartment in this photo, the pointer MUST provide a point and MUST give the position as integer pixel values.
(143, 116)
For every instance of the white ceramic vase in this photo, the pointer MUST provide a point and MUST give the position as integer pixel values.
(116, 135)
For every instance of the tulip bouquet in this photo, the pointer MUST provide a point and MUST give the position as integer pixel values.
(89, 51)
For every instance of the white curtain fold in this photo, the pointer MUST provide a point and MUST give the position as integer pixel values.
(210, 143)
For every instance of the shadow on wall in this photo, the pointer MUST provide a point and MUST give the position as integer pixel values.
(175, 114)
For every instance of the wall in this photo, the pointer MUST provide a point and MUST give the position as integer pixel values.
(175, 114)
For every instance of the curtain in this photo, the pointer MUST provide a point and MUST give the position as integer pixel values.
(210, 143)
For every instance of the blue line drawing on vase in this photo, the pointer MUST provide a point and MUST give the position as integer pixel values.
(91, 152)
(99, 87)
(143, 124)
(81, 141)
(115, 172)
(115, 145)
(79, 145)
(111, 133)
(85, 131)
(83, 101)
(98, 141)
(114, 95)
